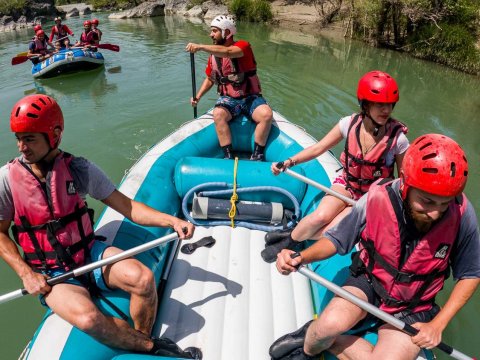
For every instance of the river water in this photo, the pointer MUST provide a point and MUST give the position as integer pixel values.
(113, 115)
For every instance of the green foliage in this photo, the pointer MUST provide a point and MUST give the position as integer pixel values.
(454, 46)
(442, 31)
(8, 7)
(251, 10)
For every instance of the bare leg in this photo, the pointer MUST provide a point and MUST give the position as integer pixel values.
(263, 117)
(332, 223)
(221, 117)
(339, 316)
(135, 278)
(73, 304)
(392, 344)
(327, 210)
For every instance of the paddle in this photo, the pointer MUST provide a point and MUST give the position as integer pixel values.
(21, 59)
(22, 53)
(194, 83)
(317, 185)
(95, 265)
(382, 315)
(108, 47)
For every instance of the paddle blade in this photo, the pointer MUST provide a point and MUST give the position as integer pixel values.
(19, 59)
(109, 47)
(23, 53)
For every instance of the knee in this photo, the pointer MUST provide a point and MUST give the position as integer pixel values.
(141, 280)
(87, 321)
(220, 115)
(264, 115)
(318, 219)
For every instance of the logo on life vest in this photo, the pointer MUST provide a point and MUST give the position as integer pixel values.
(442, 251)
(377, 173)
(71, 188)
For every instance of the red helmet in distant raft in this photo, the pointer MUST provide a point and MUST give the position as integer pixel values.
(37, 114)
(435, 164)
(95, 21)
(87, 23)
(377, 86)
(37, 27)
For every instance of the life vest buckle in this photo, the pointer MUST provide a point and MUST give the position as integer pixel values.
(403, 277)
(54, 225)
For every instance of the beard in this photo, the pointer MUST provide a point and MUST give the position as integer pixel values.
(421, 221)
(219, 42)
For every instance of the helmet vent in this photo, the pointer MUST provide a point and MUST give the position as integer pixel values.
(430, 170)
(16, 112)
(425, 146)
(36, 106)
(429, 156)
(42, 100)
(453, 169)
(35, 116)
(375, 91)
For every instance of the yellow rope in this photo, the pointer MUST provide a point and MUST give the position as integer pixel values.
(234, 198)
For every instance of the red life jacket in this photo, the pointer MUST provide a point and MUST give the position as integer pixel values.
(362, 170)
(40, 46)
(52, 223)
(89, 38)
(414, 284)
(233, 78)
(61, 31)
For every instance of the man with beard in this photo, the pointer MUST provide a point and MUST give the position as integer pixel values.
(411, 232)
(232, 67)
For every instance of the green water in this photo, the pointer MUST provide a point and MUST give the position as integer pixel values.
(113, 115)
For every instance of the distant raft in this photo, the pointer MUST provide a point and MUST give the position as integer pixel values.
(68, 61)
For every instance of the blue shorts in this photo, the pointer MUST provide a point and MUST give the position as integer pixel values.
(246, 105)
(96, 253)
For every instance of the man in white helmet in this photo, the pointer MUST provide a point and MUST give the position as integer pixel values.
(232, 67)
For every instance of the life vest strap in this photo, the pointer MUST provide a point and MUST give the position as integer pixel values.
(54, 225)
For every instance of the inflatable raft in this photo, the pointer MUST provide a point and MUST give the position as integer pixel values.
(67, 61)
(222, 297)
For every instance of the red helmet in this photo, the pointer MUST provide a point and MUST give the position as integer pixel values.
(40, 32)
(37, 27)
(37, 114)
(87, 23)
(95, 21)
(435, 164)
(377, 86)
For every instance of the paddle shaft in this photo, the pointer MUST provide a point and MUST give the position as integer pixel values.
(95, 265)
(194, 82)
(308, 181)
(389, 319)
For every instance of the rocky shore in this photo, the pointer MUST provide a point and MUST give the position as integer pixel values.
(295, 16)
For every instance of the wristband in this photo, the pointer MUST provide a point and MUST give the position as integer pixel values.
(292, 162)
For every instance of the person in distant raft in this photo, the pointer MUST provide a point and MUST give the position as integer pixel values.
(61, 32)
(43, 192)
(38, 48)
(95, 28)
(411, 233)
(374, 143)
(232, 67)
(89, 38)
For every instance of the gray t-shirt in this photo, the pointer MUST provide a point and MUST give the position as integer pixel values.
(87, 178)
(464, 257)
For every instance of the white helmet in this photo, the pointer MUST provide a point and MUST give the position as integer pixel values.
(224, 22)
